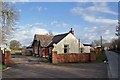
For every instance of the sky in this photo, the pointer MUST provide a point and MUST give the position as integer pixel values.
(89, 20)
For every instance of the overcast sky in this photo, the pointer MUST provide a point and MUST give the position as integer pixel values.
(90, 20)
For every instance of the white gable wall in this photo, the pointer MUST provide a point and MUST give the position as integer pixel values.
(70, 40)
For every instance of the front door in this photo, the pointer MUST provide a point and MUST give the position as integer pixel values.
(50, 54)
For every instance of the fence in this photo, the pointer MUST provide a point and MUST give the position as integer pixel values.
(72, 57)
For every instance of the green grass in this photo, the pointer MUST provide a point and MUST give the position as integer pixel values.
(100, 58)
(45, 60)
(2, 66)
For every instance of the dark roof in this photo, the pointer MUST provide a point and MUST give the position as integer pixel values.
(28, 47)
(57, 38)
(87, 44)
(44, 39)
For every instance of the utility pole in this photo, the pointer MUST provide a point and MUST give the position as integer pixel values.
(101, 42)
(79, 45)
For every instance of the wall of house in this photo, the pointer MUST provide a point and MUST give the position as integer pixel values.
(70, 40)
(45, 52)
(34, 48)
(86, 49)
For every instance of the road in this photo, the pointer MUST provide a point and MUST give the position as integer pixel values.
(48, 70)
(113, 63)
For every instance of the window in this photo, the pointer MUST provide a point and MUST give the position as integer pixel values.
(66, 48)
(81, 50)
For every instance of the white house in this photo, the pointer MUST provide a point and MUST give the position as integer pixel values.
(67, 43)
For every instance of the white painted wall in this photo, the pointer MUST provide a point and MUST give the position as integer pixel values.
(70, 40)
(86, 49)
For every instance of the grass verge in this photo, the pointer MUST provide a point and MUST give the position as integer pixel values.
(100, 58)
(2, 66)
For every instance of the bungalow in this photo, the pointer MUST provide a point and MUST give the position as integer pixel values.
(67, 47)
(40, 43)
(67, 43)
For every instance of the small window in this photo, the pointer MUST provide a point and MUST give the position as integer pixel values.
(81, 50)
(66, 48)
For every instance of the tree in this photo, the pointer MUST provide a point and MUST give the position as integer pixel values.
(50, 33)
(114, 44)
(118, 34)
(98, 42)
(8, 17)
(118, 29)
(14, 44)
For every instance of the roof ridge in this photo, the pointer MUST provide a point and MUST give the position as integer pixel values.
(62, 34)
(43, 34)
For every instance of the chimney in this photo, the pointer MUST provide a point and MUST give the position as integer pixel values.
(71, 31)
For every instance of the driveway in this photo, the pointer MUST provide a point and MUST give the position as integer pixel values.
(25, 59)
(47, 70)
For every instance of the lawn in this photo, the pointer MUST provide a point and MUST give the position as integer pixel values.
(2, 66)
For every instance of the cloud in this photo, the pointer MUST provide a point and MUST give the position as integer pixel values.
(13, 2)
(59, 24)
(101, 7)
(26, 33)
(20, 10)
(92, 13)
(38, 8)
(89, 33)
(100, 20)
(97, 7)
(108, 33)
(102, 26)
(54, 22)
(41, 8)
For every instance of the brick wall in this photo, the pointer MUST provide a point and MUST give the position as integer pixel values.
(6, 58)
(72, 57)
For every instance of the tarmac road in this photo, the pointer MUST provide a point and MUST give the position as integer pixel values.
(48, 70)
(113, 63)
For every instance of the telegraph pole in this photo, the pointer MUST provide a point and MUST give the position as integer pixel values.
(79, 45)
(101, 42)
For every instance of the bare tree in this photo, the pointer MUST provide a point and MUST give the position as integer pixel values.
(118, 34)
(50, 32)
(8, 17)
(98, 42)
(118, 29)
